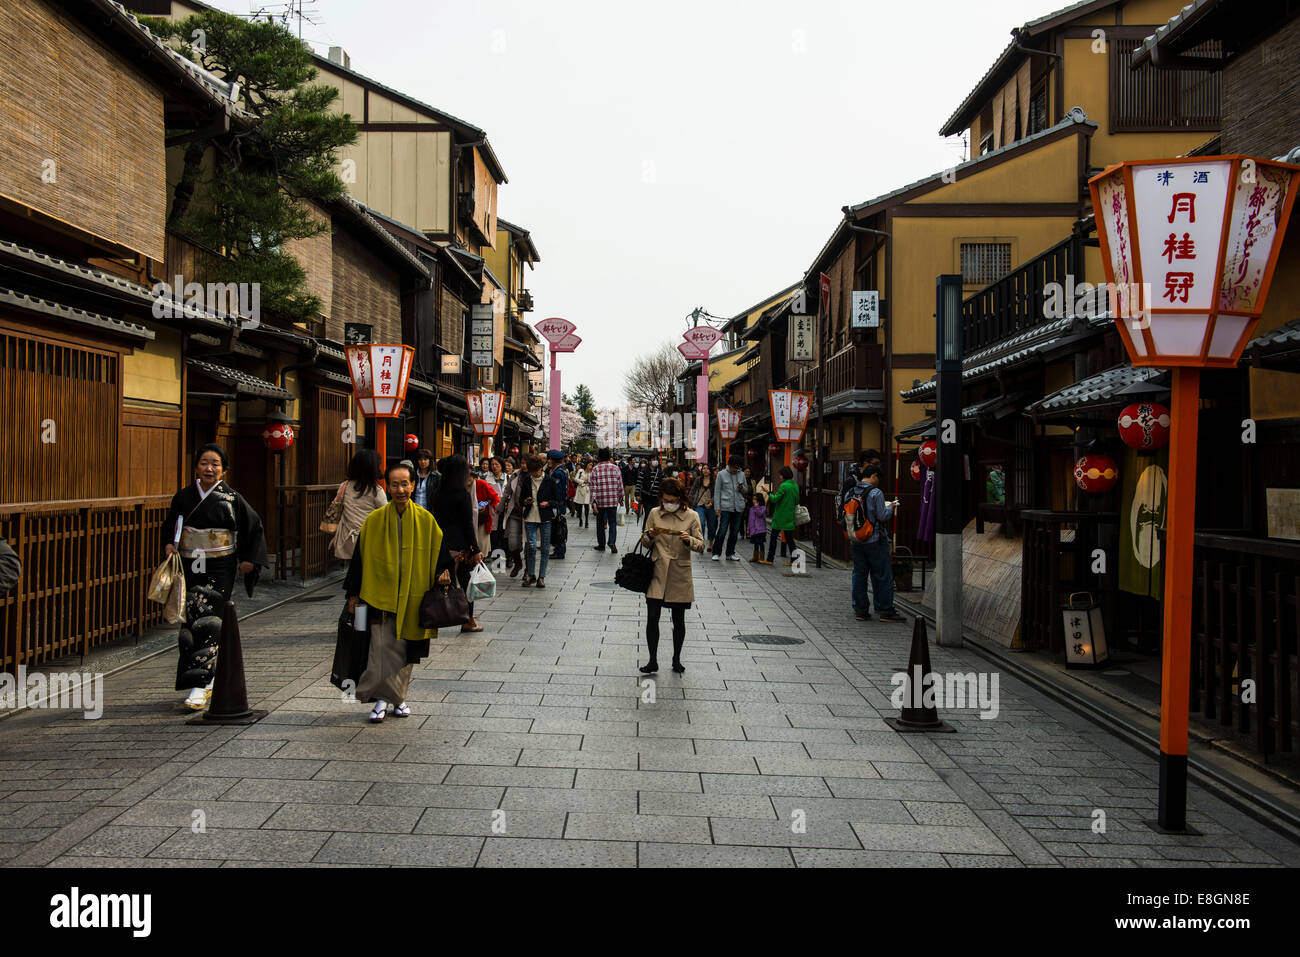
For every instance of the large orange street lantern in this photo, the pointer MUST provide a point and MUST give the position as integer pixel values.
(485, 411)
(728, 427)
(380, 374)
(1189, 246)
(789, 416)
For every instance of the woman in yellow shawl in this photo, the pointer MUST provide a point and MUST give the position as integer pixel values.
(394, 564)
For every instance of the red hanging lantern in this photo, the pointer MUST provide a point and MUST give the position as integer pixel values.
(1144, 426)
(928, 453)
(916, 470)
(754, 454)
(1096, 473)
(800, 462)
(514, 450)
(278, 436)
(774, 449)
(412, 441)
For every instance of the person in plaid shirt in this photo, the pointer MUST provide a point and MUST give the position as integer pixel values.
(606, 485)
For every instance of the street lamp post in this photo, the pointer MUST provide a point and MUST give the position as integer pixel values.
(948, 497)
(1205, 232)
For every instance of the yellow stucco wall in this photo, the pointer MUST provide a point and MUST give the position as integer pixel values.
(1087, 84)
(152, 372)
(1041, 175)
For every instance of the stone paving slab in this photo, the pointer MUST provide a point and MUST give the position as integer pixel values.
(537, 743)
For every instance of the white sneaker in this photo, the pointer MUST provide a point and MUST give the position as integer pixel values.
(717, 558)
(733, 558)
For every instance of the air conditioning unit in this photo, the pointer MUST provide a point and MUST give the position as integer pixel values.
(465, 205)
(525, 301)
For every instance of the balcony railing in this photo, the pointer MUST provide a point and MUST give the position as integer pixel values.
(1244, 626)
(1014, 304)
(860, 366)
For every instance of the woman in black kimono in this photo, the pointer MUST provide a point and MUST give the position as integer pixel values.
(218, 535)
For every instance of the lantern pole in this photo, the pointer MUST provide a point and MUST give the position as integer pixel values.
(381, 446)
(1175, 670)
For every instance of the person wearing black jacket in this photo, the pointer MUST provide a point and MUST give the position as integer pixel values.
(454, 510)
(647, 487)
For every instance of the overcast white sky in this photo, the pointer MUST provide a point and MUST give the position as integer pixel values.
(676, 154)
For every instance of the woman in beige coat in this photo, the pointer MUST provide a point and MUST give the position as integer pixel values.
(361, 494)
(674, 532)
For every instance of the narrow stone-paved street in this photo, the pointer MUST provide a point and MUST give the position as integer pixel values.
(538, 743)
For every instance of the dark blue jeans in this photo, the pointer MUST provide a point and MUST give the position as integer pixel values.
(729, 528)
(872, 558)
(606, 516)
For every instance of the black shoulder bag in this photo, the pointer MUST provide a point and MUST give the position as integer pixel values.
(637, 570)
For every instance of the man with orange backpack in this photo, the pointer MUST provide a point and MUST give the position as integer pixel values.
(866, 515)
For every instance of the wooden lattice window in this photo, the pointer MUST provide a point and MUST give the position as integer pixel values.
(983, 263)
(61, 408)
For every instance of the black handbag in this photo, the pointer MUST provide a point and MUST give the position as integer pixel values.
(559, 531)
(443, 606)
(636, 571)
(351, 651)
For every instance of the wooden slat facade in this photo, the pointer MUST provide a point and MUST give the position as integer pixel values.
(71, 388)
(86, 568)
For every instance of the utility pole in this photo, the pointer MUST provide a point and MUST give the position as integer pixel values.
(948, 481)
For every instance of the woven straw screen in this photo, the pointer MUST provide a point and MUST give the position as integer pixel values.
(316, 256)
(75, 113)
(365, 290)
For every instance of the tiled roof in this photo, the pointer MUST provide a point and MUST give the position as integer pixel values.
(198, 79)
(991, 407)
(916, 428)
(1075, 117)
(89, 276)
(976, 96)
(1283, 339)
(243, 383)
(1093, 392)
(18, 300)
(368, 222)
(1016, 349)
(1183, 18)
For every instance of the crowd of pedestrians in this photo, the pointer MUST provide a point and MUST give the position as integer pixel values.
(436, 523)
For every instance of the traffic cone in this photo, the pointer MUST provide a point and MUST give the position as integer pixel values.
(914, 716)
(229, 703)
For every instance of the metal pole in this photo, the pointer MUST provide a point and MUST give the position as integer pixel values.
(702, 412)
(1180, 540)
(948, 487)
(555, 402)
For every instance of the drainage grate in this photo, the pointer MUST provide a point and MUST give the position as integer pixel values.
(605, 584)
(322, 597)
(769, 640)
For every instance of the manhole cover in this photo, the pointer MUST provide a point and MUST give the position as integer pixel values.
(769, 640)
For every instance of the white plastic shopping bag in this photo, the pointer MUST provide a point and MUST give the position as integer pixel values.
(482, 585)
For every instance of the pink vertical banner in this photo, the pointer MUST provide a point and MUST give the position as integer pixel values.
(698, 340)
(560, 334)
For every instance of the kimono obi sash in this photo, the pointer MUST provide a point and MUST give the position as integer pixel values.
(212, 542)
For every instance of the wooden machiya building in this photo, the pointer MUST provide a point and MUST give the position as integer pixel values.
(94, 391)
(1041, 390)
